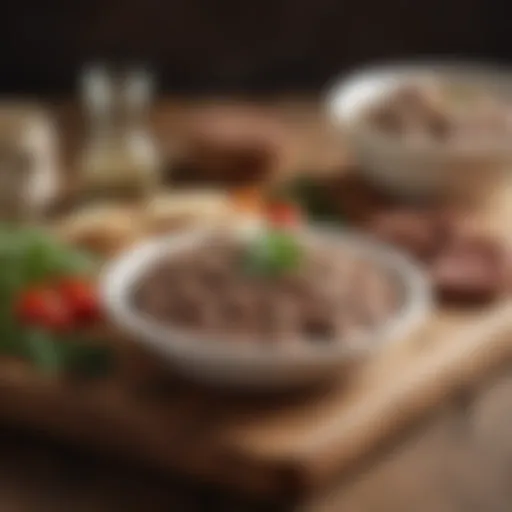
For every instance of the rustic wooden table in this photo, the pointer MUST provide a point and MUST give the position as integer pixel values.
(457, 459)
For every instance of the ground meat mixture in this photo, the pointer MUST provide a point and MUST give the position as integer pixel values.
(443, 113)
(332, 296)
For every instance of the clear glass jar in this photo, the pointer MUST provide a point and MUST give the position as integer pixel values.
(120, 158)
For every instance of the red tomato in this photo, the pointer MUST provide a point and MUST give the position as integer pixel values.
(45, 308)
(81, 298)
(284, 214)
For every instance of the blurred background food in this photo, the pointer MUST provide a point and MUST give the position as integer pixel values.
(428, 130)
(109, 227)
(104, 229)
(170, 211)
(457, 115)
(234, 146)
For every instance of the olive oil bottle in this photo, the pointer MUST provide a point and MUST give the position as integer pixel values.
(120, 160)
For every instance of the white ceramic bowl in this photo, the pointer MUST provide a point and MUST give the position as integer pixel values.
(257, 365)
(418, 171)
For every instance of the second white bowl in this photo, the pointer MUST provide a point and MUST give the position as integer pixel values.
(415, 171)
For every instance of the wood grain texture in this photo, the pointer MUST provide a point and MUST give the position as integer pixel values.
(456, 460)
(266, 445)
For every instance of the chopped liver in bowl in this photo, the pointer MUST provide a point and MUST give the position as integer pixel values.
(330, 296)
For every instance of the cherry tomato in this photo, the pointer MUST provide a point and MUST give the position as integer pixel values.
(81, 297)
(44, 307)
(284, 214)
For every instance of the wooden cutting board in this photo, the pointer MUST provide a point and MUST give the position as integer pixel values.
(264, 443)
(267, 444)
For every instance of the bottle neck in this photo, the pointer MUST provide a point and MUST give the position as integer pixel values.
(117, 123)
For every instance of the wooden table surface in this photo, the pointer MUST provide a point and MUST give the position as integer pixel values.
(457, 459)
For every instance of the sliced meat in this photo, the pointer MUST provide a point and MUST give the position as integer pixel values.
(470, 270)
(419, 233)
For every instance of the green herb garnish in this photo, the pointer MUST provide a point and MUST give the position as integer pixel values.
(275, 252)
(312, 197)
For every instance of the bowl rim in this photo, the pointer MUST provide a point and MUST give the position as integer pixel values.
(122, 273)
(339, 88)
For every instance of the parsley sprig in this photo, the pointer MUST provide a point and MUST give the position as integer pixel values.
(273, 253)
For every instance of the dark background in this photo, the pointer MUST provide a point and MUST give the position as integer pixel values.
(239, 45)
